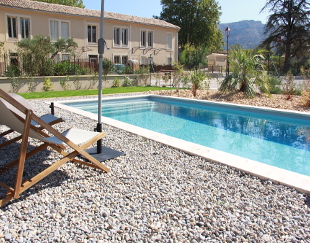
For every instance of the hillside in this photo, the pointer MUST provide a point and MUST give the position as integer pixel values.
(248, 33)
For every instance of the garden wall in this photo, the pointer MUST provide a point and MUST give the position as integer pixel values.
(36, 84)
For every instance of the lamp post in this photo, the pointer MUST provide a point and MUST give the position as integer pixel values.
(227, 32)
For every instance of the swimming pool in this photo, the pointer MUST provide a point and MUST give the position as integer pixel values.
(296, 136)
(272, 137)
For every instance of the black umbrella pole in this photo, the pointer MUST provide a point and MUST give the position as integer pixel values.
(99, 142)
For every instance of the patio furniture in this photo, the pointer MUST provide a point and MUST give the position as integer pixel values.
(75, 139)
(48, 118)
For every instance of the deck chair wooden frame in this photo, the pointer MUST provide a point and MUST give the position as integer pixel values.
(58, 141)
(49, 118)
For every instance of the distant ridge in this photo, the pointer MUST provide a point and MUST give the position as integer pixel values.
(247, 33)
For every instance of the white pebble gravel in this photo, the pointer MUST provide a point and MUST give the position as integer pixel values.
(154, 193)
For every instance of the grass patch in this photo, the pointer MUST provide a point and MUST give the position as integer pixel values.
(70, 93)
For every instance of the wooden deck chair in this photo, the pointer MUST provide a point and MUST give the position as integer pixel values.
(48, 118)
(59, 141)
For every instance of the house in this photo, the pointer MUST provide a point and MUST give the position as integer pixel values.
(217, 62)
(127, 37)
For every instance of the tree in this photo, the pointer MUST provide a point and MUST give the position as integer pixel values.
(288, 27)
(198, 20)
(193, 58)
(37, 54)
(73, 3)
(248, 73)
(197, 78)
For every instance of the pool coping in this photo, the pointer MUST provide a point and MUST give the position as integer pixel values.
(261, 170)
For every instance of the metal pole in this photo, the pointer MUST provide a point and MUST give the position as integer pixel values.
(100, 51)
(52, 108)
(227, 31)
(227, 58)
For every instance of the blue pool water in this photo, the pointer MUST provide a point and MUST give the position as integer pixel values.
(279, 140)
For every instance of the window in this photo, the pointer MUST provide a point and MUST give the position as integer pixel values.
(120, 36)
(59, 29)
(54, 30)
(12, 28)
(169, 41)
(24, 27)
(150, 39)
(18, 27)
(92, 33)
(116, 36)
(57, 58)
(121, 59)
(125, 37)
(117, 59)
(146, 38)
(143, 38)
(124, 60)
(64, 30)
(65, 57)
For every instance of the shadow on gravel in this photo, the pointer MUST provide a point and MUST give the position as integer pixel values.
(33, 166)
(307, 200)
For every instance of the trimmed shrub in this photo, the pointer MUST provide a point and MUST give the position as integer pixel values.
(68, 68)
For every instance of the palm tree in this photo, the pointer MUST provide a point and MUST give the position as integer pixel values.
(288, 27)
(248, 74)
(197, 79)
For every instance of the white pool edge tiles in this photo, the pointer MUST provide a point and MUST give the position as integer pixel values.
(261, 170)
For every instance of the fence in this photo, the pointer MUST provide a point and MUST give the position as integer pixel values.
(213, 68)
(90, 65)
(74, 65)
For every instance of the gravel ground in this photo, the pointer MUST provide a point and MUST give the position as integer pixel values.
(278, 101)
(153, 194)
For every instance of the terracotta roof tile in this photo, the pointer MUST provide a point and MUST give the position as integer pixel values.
(63, 9)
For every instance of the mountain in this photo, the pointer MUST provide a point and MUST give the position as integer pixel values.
(248, 33)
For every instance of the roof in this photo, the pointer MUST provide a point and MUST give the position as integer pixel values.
(68, 10)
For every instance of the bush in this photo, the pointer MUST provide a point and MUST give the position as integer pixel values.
(64, 82)
(289, 85)
(15, 82)
(127, 82)
(47, 85)
(12, 71)
(77, 82)
(31, 84)
(275, 85)
(93, 81)
(116, 82)
(248, 73)
(36, 54)
(128, 70)
(108, 66)
(179, 76)
(68, 68)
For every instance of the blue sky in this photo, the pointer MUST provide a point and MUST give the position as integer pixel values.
(232, 10)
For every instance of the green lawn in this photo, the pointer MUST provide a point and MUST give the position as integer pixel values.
(68, 93)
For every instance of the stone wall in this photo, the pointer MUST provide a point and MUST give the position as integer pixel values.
(35, 84)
